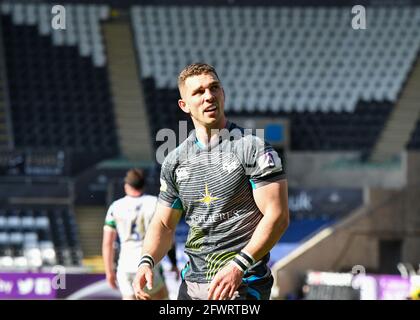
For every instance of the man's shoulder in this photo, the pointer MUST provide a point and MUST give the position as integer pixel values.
(247, 137)
(175, 156)
(128, 201)
(148, 198)
(115, 205)
(120, 202)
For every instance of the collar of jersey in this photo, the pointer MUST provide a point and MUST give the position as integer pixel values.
(208, 147)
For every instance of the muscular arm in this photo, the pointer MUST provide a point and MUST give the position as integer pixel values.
(157, 242)
(272, 200)
(159, 235)
(109, 236)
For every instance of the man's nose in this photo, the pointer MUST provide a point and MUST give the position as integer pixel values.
(208, 95)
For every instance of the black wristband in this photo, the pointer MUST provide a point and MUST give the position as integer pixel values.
(148, 259)
(248, 258)
(145, 262)
(240, 264)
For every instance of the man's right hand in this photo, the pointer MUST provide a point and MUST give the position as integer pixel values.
(144, 276)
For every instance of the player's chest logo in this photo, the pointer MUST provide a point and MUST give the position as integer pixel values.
(181, 174)
(207, 197)
(230, 166)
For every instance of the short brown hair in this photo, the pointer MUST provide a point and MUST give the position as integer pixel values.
(195, 69)
(135, 178)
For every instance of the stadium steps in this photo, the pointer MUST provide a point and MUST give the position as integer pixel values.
(402, 121)
(90, 221)
(354, 242)
(129, 106)
(6, 139)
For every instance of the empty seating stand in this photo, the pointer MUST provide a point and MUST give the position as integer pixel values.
(58, 81)
(32, 238)
(304, 63)
(163, 110)
(309, 56)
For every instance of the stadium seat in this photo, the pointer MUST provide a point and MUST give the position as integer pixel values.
(14, 223)
(3, 223)
(48, 253)
(32, 254)
(38, 236)
(42, 223)
(330, 68)
(37, 57)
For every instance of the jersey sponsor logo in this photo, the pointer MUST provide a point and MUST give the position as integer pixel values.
(207, 198)
(230, 167)
(215, 218)
(181, 174)
(269, 160)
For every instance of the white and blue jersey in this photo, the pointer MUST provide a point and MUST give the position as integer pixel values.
(130, 217)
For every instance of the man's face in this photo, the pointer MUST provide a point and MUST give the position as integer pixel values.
(203, 98)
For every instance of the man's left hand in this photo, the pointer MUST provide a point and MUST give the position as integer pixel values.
(225, 283)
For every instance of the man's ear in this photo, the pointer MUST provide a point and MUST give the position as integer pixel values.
(183, 106)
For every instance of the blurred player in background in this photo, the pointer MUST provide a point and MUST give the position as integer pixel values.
(128, 219)
(233, 194)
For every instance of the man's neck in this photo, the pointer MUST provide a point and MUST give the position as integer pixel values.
(206, 134)
(134, 194)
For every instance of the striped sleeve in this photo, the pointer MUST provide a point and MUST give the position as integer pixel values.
(168, 194)
(264, 162)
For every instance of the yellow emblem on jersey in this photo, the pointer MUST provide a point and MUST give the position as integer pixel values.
(207, 198)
